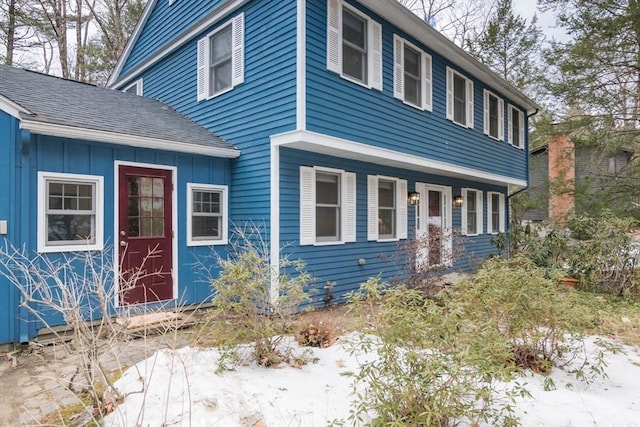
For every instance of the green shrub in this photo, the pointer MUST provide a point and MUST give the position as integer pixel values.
(249, 309)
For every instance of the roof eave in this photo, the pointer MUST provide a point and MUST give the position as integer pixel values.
(12, 108)
(65, 131)
(406, 20)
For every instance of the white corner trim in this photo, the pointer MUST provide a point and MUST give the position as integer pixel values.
(187, 35)
(224, 189)
(301, 64)
(11, 108)
(65, 131)
(275, 220)
(326, 144)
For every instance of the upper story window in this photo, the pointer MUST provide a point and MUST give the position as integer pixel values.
(495, 212)
(134, 88)
(516, 127)
(459, 98)
(327, 206)
(493, 116)
(207, 212)
(411, 74)
(69, 212)
(354, 45)
(387, 208)
(221, 59)
(471, 212)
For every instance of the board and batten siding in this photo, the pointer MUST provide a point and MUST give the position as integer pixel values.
(344, 109)
(339, 263)
(61, 155)
(164, 24)
(246, 116)
(9, 196)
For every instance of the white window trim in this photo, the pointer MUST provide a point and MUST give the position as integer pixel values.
(98, 181)
(520, 115)
(138, 85)
(425, 75)
(237, 58)
(487, 115)
(171, 2)
(468, 98)
(334, 45)
(479, 209)
(224, 199)
(308, 206)
(501, 208)
(372, 208)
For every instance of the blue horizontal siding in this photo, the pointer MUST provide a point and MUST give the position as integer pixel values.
(339, 263)
(246, 116)
(347, 110)
(164, 24)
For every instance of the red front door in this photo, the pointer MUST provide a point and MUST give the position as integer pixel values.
(145, 234)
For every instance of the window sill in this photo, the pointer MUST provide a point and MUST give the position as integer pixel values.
(207, 242)
(329, 243)
(43, 249)
(460, 124)
(358, 82)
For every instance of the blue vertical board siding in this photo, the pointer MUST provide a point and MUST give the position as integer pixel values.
(347, 110)
(246, 116)
(9, 138)
(339, 263)
(165, 23)
(63, 155)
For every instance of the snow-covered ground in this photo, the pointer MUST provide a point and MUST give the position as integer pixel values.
(181, 388)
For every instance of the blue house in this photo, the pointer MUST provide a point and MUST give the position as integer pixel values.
(341, 109)
(92, 169)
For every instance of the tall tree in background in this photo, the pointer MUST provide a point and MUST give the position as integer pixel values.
(456, 19)
(597, 74)
(510, 47)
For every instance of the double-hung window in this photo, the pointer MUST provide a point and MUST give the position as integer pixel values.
(471, 212)
(459, 98)
(493, 116)
(495, 212)
(327, 206)
(207, 211)
(354, 45)
(411, 74)
(386, 208)
(69, 212)
(516, 127)
(221, 59)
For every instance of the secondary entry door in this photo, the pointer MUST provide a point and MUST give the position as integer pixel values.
(433, 225)
(145, 236)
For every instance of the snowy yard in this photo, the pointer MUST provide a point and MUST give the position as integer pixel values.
(181, 388)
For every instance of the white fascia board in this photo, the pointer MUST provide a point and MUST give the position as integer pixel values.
(11, 108)
(187, 35)
(338, 147)
(132, 41)
(406, 20)
(64, 131)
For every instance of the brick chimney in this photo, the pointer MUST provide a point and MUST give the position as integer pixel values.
(562, 178)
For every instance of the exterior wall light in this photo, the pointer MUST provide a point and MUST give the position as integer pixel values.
(413, 198)
(458, 201)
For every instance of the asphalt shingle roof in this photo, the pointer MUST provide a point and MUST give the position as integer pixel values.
(59, 101)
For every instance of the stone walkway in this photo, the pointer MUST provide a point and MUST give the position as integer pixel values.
(35, 381)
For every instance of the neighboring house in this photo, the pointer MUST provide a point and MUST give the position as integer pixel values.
(340, 109)
(86, 168)
(565, 176)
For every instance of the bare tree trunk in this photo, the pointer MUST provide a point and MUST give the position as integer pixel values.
(80, 66)
(11, 32)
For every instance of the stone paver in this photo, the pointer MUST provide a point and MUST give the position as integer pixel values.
(38, 385)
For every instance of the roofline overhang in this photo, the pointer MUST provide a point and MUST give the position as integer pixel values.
(65, 131)
(12, 108)
(338, 147)
(409, 22)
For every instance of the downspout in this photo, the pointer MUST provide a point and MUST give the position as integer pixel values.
(526, 187)
(23, 200)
